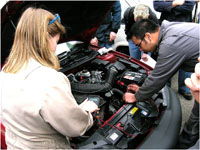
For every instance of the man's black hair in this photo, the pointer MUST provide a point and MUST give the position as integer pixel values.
(139, 28)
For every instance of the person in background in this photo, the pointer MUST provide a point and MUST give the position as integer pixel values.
(38, 108)
(131, 15)
(179, 11)
(194, 84)
(177, 46)
(107, 32)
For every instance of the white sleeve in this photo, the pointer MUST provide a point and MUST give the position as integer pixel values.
(61, 110)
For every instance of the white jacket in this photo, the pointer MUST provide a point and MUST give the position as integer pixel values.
(39, 110)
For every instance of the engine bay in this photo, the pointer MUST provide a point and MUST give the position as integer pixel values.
(116, 124)
(103, 79)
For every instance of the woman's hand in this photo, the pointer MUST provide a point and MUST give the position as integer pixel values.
(89, 106)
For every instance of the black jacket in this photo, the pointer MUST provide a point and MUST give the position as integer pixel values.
(129, 18)
(111, 23)
(182, 13)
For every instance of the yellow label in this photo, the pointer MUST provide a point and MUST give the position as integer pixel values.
(133, 110)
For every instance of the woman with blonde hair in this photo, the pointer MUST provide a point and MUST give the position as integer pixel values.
(38, 108)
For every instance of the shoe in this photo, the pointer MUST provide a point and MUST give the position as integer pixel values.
(187, 96)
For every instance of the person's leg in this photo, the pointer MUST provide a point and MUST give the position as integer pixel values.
(134, 50)
(190, 132)
(182, 88)
(169, 83)
(101, 44)
(108, 44)
(104, 41)
(149, 53)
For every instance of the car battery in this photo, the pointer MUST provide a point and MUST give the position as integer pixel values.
(130, 77)
(125, 125)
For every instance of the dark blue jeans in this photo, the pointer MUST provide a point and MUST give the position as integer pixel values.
(106, 44)
(134, 51)
(181, 84)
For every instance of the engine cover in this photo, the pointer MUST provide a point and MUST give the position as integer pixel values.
(120, 129)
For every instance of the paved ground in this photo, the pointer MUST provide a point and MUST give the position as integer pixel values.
(186, 105)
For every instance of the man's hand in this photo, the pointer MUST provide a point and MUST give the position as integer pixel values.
(112, 36)
(194, 82)
(177, 3)
(133, 87)
(94, 41)
(129, 97)
(144, 57)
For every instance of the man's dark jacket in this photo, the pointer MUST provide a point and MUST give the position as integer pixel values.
(129, 18)
(111, 23)
(182, 13)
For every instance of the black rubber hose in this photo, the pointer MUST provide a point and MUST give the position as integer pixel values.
(114, 90)
(90, 88)
(110, 76)
(98, 87)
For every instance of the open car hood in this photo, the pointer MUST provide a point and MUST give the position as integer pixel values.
(80, 18)
(104, 78)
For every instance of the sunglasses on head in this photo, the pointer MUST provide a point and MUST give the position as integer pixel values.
(56, 18)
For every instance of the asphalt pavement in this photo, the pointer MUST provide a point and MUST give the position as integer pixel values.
(186, 105)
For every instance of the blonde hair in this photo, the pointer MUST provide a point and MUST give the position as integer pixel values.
(141, 11)
(31, 40)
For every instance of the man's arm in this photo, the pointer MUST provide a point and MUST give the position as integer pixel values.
(116, 20)
(168, 6)
(168, 62)
(116, 13)
(162, 6)
(186, 8)
(128, 19)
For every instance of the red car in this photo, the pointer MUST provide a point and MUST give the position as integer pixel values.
(103, 78)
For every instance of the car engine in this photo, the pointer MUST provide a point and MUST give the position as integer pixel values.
(116, 124)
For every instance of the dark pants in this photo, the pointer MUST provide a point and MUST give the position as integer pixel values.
(190, 132)
(182, 75)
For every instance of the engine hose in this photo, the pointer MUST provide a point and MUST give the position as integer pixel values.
(111, 74)
(90, 88)
(114, 90)
(98, 87)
